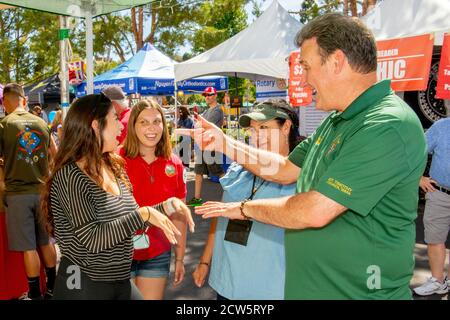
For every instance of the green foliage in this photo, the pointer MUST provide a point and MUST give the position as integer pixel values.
(256, 8)
(246, 89)
(29, 46)
(219, 21)
(102, 66)
(313, 8)
(25, 53)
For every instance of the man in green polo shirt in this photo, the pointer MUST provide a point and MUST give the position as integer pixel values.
(350, 227)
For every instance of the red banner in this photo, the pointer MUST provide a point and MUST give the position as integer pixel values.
(443, 81)
(298, 94)
(406, 61)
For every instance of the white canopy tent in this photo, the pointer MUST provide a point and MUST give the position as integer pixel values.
(259, 50)
(403, 18)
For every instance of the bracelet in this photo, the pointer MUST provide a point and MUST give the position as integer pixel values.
(182, 260)
(205, 263)
(242, 209)
(170, 208)
(147, 222)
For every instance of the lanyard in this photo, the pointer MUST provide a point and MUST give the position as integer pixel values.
(254, 190)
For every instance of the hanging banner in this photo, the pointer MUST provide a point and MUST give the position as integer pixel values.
(298, 94)
(406, 61)
(270, 88)
(76, 72)
(443, 80)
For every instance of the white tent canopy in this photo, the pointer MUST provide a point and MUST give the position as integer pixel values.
(260, 49)
(403, 18)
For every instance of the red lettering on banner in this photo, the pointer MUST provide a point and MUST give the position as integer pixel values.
(406, 61)
(298, 95)
(443, 80)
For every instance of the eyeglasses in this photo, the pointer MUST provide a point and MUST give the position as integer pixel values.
(210, 94)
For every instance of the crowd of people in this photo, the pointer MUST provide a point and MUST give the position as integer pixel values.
(331, 216)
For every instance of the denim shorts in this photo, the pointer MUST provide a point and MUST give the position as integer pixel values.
(156, 267)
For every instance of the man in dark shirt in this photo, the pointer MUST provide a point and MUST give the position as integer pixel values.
(25, 142)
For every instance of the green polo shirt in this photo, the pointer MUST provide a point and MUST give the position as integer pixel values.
(368, 158)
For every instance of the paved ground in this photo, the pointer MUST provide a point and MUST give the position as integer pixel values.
(187, 289)
(212, 191)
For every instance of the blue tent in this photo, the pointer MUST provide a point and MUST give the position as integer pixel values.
(150, 72)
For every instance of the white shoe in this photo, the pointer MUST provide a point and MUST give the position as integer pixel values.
(24, 296)
(432, 286)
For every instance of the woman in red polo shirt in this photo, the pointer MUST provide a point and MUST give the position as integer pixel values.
(156, 175)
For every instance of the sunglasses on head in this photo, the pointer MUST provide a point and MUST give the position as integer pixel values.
(101, 99)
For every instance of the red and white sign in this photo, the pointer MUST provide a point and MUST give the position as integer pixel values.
(298, 95)
(406, 61)
(76, 72)
(443, 81)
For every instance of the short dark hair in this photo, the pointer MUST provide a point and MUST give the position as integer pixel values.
(14, 88)
(335, 31)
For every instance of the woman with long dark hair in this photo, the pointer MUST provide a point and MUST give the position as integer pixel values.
(89, 208)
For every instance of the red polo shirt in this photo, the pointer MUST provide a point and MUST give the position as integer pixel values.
(123, 118)
(154, 183)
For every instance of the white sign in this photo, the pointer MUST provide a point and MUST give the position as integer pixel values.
(271, 88)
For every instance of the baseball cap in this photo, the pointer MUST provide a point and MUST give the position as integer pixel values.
(15, 89)
(114, 93)
(209, 90)
(264, 111)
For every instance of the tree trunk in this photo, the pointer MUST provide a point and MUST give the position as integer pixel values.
(137, 26)
(353, 8)
(140, 44)
(345, 8)
(365, 4)
(133, 24)
(119, 50)
(151, 37)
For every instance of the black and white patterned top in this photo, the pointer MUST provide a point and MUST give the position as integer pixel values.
(94, 228)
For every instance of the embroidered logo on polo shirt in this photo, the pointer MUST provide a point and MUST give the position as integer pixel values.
(334, 143)
(339, 186)
(170, 170)
(319, 140)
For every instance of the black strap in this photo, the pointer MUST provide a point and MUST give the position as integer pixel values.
(254, 190)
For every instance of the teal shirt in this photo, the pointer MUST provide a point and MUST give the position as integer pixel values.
(368, 158)
(257, 270)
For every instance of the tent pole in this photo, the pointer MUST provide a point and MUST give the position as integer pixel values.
(238, 109)
(176, 108)
(89, 53)
(63, 74)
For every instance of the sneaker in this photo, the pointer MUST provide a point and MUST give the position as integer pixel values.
(48, 294)
(26, 296)
(195, 202)
(432, 286)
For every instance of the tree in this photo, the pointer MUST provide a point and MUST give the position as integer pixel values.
(256, 8)
(313, 8)
(221, 19)
(25, 52)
